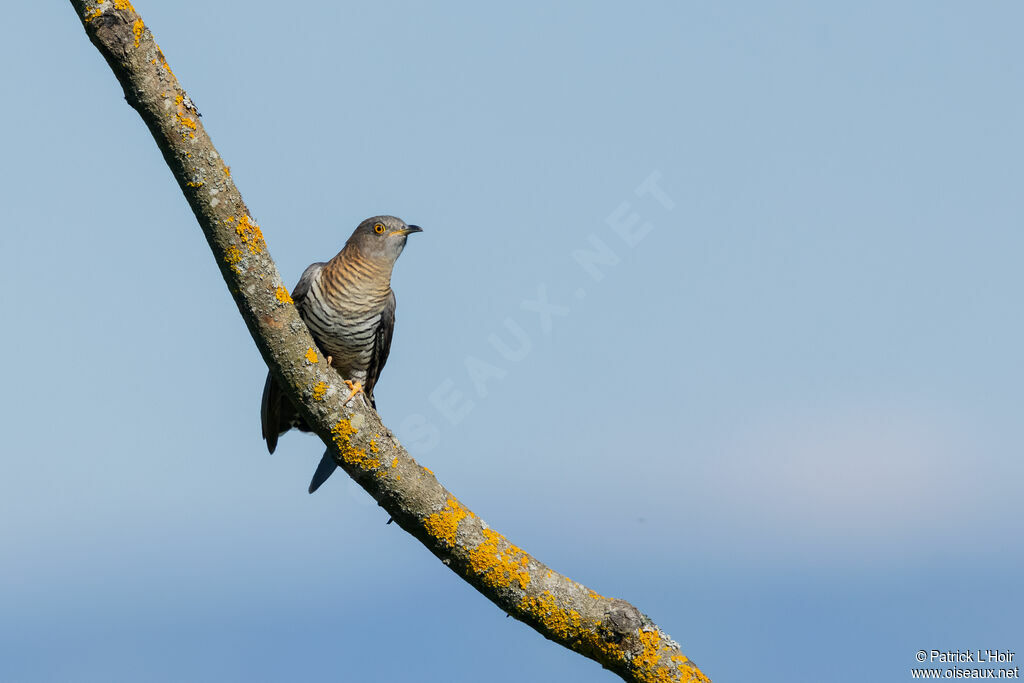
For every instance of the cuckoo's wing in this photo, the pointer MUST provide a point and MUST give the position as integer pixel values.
(381, 346)
(302, 287)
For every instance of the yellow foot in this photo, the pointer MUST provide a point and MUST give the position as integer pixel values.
(354, 387)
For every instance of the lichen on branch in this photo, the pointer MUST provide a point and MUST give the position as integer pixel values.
(607, 630)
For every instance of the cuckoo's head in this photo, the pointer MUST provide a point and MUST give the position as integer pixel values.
(381, 237)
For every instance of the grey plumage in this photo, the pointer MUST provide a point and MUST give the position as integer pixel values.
(349, 307)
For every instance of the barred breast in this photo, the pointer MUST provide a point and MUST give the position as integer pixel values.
(343, 311)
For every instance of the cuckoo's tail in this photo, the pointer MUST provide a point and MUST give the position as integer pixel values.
(270, 412)
(324, 470)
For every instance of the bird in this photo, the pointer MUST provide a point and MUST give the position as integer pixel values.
(349, 307)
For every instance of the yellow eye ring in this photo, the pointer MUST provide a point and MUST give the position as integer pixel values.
(378, 228)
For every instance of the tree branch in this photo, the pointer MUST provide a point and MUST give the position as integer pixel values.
(607, 630)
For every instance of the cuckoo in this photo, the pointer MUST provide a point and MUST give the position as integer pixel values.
(349, 307)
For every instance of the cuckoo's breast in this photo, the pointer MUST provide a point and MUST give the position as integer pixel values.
(344, 325)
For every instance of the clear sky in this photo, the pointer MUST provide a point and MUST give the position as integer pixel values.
(783, 418)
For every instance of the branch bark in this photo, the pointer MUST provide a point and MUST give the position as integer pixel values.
(608, 630)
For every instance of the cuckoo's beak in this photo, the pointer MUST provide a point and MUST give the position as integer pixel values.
(409, 229)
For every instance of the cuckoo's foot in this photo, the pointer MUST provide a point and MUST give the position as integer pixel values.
(329, 359)
(354, 387)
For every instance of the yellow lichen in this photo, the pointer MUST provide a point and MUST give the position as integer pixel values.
(319, 391)
(342, 433)
(250, 234)
(233, 257)
(374, 448)
(137, 28)
(311, 355)
(186, 121)
(648, 657)
(569, 626)
(647, 663)
(564, 623)
(394, 462)
(587, 636)
(227, 170)
(444, 524)
(283, 296)
(428, 471)
(195, 183)
(234, 254)
(118, 4)
(499, 563)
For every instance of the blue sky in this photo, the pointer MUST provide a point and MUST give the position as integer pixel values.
(785, 421)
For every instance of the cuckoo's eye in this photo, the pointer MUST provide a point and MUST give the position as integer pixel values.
(378, 228)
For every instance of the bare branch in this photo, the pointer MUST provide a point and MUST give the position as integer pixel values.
(607, 630)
